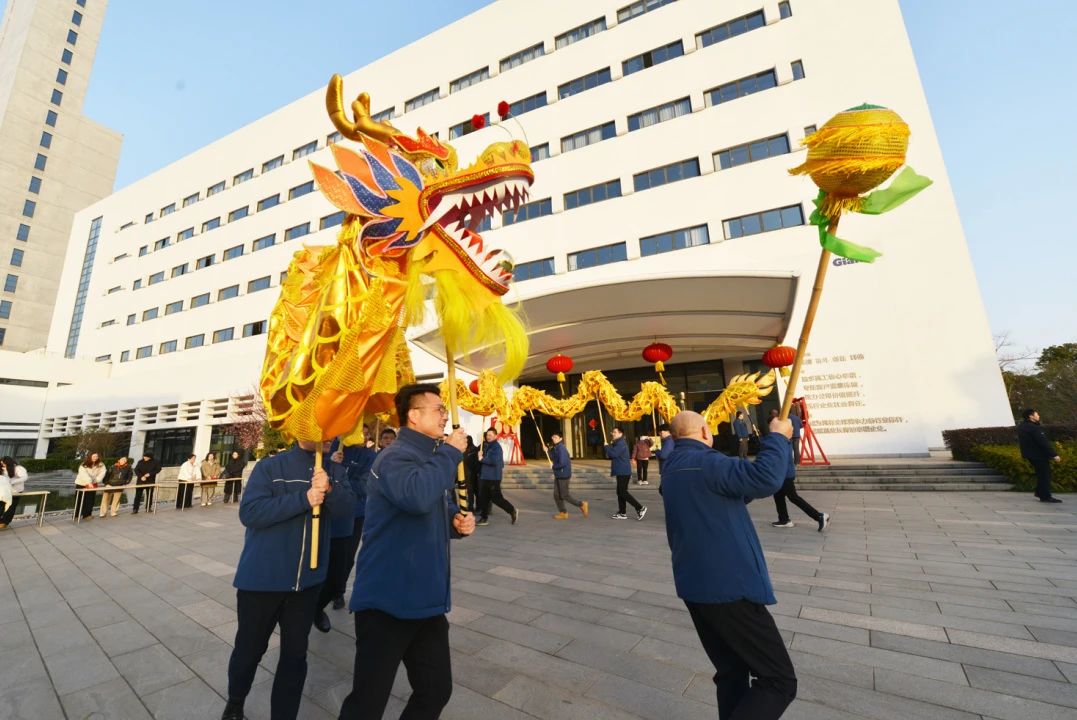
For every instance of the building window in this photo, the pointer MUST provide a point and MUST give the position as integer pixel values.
(28, 208)
(519, 58)
(143, 352)
(530, 211)
(297, 232)
(191, 199)
(579, 33)
(108, 323)
(675, 240)
(232, 253)
(333, 220)
(35, 185)
(204, 262)
(784, 10)
(76, 18)
(301, 190)
(46, 139)
(5, 309)
(185, 234)
(586, 82)
(652, 57)
(174, 307)
(304, 150)
(384, 116)
(283, 276)
(266, 203)
(114, 289)
(23, 233)
(179, 270)
(809, 129)
(732, 28)
(125, 356)
(167, 347)
(144, 250)
(257, 284)
(333, 138)
(223, 335)
(798, 69)
(39, 162)
(57, 97)
(132, 318)
(66, 57)
(740, 88)
(214, 189)
(472, 78)
(766, 221)
(127, 225)
(119, 257)
(263, 243)
(638, 8)
(61, 77)
(239, 213)
(666, 174)
(194, 341)
(136, 284)
(161, 244)
(540, 152)
(592, 194)
(587, 137)
(751, 152)
(50, 118)
(659, 114)
(72, 37)
(254, 328)
(467, 127)
(533, 269)
(16, 258)
(597, 256)
(168, 209)
(272, 164)
(243, 176)
(199, 300)
(102, 358)
(211, 224)
(419, 100)
(148, 219)
(227, 293)
(150, 314)
(528, 104)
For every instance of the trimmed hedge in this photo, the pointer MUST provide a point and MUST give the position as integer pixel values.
(1008, 461)
(963, 441)
(45, 464)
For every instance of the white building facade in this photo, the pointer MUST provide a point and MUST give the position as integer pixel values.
(661, 133)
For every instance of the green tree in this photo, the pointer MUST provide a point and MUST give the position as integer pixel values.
(1050, 386)
(95, 439)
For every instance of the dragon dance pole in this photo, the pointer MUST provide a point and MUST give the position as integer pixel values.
(454, 416)
(809, 320)
(602, 420)
(316, 519)
(541, 439)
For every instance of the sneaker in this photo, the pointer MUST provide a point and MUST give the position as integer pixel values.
(560, 516)
(644, 483)
(233, 710)
(515, 515)
(641, 513)
(824, 522)
(585, 508)
(786, 524)
(338, 602)
(115, 514)
(1050, 500)
(618, 516)
(321, 621)
(482, 521)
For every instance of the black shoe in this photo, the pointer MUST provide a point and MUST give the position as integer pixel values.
(321, 621)
(1050, 500)
(516, 515)
(135, 511)
(483, 521)
(233, 710)
(338, 602)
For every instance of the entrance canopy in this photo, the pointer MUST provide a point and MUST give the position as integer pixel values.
(605, 323)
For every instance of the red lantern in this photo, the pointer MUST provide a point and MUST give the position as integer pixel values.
(503, 109)
(478, 122)
(658, 353)
(473, 386)
(559, 364)
(780, 357)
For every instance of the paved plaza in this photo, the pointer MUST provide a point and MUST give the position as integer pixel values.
(942, 606)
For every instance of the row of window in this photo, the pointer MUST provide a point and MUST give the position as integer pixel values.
(258, 327)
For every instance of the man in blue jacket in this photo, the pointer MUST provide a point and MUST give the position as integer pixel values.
(740, 429)
(275, 585)
(492, 462)
(401, 591)
(718, 564)
(621, 468)
(562, 475)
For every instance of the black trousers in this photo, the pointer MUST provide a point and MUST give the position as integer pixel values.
(641, 470)
(9, 511)
(623, 496)
(259, 613)
(490, 493)
(742, 448)
(796, 450)
(232, 486)
(149, 495)
(741, 640)
(341, 561)
(86, 508)
(184, 494)
(789, 491)
(1043, 478)
(382, 642)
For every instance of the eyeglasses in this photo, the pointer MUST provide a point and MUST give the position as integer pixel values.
(440, 409)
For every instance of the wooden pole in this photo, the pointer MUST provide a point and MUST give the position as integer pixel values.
(602, 420)
(541, 439)
(454, 416)
(809, 320)
(316, 521)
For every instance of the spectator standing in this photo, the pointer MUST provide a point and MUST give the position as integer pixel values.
(385, 438)
(1039, 451)
(210, 470)
(189, 472)
(740, 429)
(798, 427)
(119, 474)
(492, 462)
(621, 468)
(233, 476)
(562, 475)
(146, 471)
(641, 453)
(90, 475)
(472, 465)
(15, 475)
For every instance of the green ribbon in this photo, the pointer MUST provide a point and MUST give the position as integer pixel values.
(906, 185)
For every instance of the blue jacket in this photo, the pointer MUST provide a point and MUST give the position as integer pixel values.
(276, 513)
(716, 553)
(403, 563)
(740, 428)
(667, 448)
(493, 461)
(617, 452)
(562, 464)
(357, 461)
(797, 425)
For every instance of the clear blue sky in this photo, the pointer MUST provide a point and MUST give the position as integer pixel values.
(998, 77)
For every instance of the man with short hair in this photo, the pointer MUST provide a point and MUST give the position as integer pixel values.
(146, 471)
(740, 429)
(402, 591)
(621, 468)
(385, 438)
(718, 564)
(1039, 451)
(492, 462)
(562, 475)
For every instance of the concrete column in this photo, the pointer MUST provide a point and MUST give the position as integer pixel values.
(41, 448)
(138, 443)
(201, 441)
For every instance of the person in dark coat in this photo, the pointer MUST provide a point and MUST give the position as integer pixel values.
(472, 464)
(1039, 451)
(621, 468)
(146, 471)
(492, 462)
(233, 475)
(561, 465)
(740, 429)
(798, 429)
(718, 565)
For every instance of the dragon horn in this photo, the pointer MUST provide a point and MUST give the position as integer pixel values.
(363, 125)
